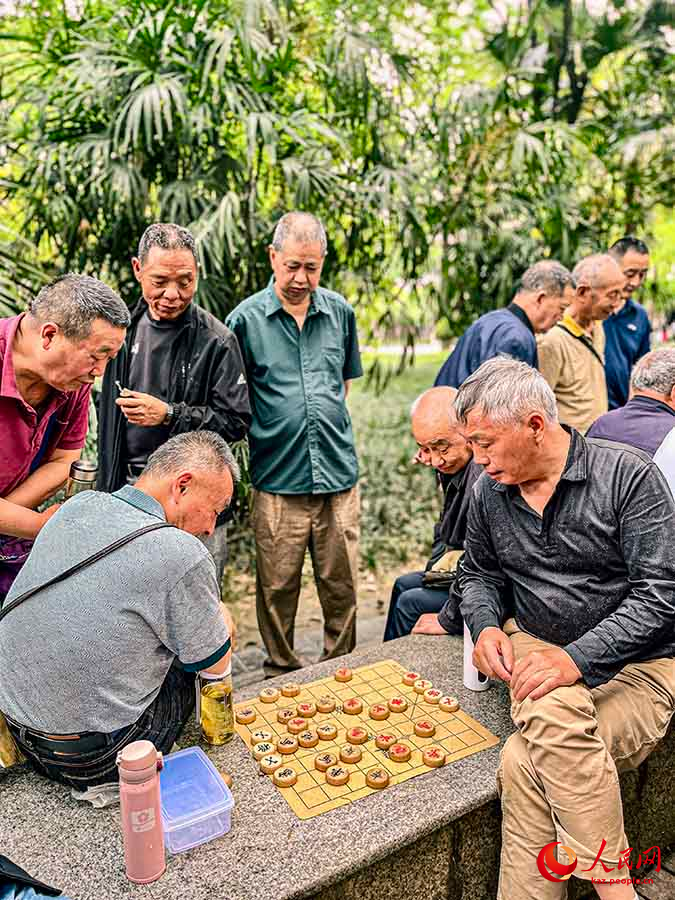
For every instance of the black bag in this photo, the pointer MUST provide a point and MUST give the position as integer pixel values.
(12, 874)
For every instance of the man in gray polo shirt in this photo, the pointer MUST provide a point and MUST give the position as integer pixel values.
(108, 655)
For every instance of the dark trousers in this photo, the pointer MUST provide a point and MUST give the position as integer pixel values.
(161, 723)
(410, 600)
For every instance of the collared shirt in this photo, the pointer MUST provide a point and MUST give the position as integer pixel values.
(301, 439)
(26, 434)
(628, 338)
(573, 364)
(595, 574)
(502, 332)
(645, 423)
(91, 652)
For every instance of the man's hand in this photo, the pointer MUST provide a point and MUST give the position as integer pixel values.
(142, 409)
(542, 671)
(48, 513)
(493, 654)
(428, 624)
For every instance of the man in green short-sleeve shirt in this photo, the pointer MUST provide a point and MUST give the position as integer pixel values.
(300, 349)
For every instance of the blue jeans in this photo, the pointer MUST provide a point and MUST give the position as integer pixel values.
(161, 723)
(410, 600)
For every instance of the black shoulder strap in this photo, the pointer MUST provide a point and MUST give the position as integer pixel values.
(585, 341)
(120, 542)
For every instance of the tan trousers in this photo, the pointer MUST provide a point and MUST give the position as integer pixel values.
(285, 526)
(558, 774)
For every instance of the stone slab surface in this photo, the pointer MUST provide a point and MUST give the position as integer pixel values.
(269, 852)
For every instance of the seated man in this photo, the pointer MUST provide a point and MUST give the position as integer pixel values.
(582, 529)
(647, 421)
(108, 655)
(434, 427)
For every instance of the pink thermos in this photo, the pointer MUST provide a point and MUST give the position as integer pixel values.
(139, 764)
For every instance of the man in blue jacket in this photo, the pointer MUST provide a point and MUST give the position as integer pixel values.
(545, 291)
(628, 330)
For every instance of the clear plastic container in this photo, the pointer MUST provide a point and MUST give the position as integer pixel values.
(196, 802)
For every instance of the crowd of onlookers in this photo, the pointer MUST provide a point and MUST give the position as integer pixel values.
(551, 428)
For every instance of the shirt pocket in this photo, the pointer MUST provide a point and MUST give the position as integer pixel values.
(332, 365)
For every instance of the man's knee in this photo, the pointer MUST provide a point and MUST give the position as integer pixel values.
(563, 708)
(514, 765)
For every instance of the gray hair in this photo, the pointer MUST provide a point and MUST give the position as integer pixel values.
(589, 269)
(204, 451)
(73, 302)
(506, 390)
(302, 226)
(166, 236)
(548, 276)
(655, 371)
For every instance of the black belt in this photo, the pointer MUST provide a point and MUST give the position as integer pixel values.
(86, 742)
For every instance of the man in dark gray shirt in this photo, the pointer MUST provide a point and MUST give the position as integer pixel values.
(581, 531)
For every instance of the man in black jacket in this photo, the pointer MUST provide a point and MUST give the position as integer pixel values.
(179, 370)
(419, 604)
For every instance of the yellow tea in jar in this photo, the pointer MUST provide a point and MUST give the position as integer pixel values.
(216, 714)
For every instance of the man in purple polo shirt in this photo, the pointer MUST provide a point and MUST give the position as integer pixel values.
(49, 358)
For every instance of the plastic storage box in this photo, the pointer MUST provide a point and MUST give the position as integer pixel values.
(196, 802)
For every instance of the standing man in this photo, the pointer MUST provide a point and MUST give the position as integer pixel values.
(572, 355)
(628, 330)
(180, 368)
(544, 292)
(582, 532)
(301, 351)
(441, 446)
(49, 358)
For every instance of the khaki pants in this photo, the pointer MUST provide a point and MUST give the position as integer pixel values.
(558, 774)
(285, 526)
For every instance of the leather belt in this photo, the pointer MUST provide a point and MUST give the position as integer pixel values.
(86, 742)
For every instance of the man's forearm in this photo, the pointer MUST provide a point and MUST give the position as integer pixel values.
(18, 521)
(481, 607)
(42, 484)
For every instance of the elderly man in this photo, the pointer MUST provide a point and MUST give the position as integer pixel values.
(582, 531)
(571, 355)
(647, 421)
(628, 330)
(49, 358)
(301, 351)
(180, 368)
(90, 663)
(544, 292)
(415, 601)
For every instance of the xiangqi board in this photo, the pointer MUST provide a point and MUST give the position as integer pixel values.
(457, 733)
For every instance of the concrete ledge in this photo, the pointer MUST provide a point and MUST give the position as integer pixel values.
(434, 836)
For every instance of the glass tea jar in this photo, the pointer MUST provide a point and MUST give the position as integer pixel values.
(215, 713)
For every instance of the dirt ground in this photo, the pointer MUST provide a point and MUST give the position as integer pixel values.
(374, 593)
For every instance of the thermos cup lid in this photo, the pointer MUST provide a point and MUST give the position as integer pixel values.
(84, 470)
(138, 755)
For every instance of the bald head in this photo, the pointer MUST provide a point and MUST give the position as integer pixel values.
(434, 427)
(599, 290)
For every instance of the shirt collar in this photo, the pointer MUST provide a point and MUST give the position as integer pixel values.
(651, 403)
(273, 304)
(520, 313)
(141, 500)
(576, 465)
(571, 325)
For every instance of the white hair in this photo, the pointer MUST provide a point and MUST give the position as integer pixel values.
(506, 390)
(655, 371)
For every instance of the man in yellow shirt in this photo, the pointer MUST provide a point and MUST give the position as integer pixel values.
(572, 353)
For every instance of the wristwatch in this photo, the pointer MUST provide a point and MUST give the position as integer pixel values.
(169, 414)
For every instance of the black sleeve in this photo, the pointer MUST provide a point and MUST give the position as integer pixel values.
(228, 411)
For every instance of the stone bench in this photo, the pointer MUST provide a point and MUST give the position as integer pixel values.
(434, 837)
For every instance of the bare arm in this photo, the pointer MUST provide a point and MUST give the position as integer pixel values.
(44, 481)
(18, 521)
(348, 384)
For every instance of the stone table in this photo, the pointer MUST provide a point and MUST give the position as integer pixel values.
(433, 837)
(269, 853)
